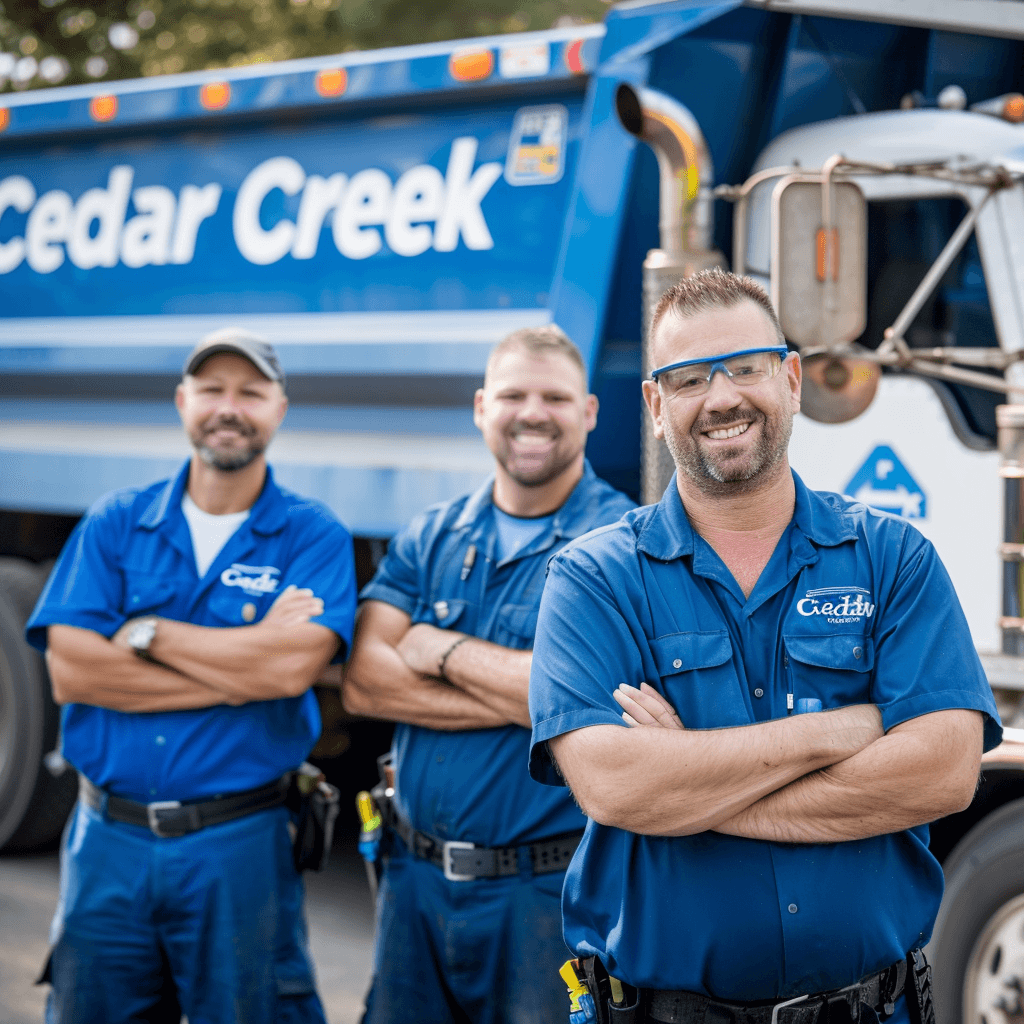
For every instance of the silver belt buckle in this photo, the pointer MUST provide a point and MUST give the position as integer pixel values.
(446, 860)
(782, 1006)
(152, 811)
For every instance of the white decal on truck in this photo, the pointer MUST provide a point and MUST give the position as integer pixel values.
(93, 233)
(423, 209)
(360, 206)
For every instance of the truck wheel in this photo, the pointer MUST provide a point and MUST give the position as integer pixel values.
(33, 804)
(978, 944)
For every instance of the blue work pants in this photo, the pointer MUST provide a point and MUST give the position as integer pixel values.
(212, 920)
(485, 951)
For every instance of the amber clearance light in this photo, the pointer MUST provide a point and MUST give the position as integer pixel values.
(471, 65)
(331, 82)
(5, 118)
(1013, 108)
(215, 95)
(103, 108)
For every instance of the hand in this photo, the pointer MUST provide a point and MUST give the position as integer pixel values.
(423, 646)
(646, 707)
(294, 607)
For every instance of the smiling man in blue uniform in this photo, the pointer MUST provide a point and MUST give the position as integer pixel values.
(745, 862)
(469, 926)
(183, 625)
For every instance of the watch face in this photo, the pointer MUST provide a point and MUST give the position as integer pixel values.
(142, 635)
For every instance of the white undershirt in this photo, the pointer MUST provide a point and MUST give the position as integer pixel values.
(209, 532)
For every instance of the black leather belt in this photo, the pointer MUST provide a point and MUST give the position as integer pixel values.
(170, 819)
(879, 991)
(462, 862)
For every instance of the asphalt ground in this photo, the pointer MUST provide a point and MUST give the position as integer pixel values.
(338, 908)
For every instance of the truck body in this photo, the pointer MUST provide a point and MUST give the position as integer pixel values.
(384, 218)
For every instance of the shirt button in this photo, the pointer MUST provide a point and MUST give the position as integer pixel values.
(793, 908)
(440, 758)
(248, 611)
(677, 663)
(759, 692)
(858, 651)
(160, 741)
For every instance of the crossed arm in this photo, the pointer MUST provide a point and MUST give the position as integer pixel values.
(826, 777)
(394, 673)
(194, 666)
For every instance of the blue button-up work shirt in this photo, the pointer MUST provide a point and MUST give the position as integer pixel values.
(854, 606)
(131, 556)
(473, 785)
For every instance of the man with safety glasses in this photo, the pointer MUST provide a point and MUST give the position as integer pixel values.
(746, 862)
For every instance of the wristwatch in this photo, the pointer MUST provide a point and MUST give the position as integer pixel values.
(140, 636)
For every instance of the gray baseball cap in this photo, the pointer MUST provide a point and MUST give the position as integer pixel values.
(242, 343)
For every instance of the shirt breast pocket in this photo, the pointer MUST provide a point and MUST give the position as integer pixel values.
(144, 595)
(698, 679)
(445, 613)
(835, 668)
(234, 609)
(515, 626)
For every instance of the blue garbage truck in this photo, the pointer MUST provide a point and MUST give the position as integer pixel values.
(384, 218)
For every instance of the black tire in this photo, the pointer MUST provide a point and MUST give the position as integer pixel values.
(33, 803)
(978, 934)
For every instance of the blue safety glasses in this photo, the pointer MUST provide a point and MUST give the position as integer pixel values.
(692, 377)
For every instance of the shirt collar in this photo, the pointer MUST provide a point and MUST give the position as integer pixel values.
(267, 515)
(571, 520)
(667, 533)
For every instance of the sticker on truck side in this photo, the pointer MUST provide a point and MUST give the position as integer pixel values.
(536, 148)
(883, 482)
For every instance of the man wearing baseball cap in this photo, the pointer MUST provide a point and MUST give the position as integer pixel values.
(183, 625)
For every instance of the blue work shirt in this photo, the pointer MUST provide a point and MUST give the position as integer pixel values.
(854, 606)
(473, 785)
(132, 556)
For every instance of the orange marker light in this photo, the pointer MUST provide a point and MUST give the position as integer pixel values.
(1013, 108)
(471, 65)
(331, 82)
(5, 118)
(215, 95)
(828, 254)
(574, 57)
(103, 108)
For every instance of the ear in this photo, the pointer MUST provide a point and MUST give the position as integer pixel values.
(283, 410)
(478, 408)
(179, 396)
(590, 412)
(652, 398)
(794, 377)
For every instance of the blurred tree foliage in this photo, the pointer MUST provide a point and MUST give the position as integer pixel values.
(63, 42)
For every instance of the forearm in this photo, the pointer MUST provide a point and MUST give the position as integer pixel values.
(679, 782)
(496, 676)
(246, 663)
(86, 668)
(378, 684)
(918, 772)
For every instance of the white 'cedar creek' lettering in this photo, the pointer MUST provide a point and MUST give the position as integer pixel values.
(423, 209)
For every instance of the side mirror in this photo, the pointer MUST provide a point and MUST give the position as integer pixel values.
(819, 272)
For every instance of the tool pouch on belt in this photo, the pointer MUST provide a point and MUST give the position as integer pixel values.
(314, 804)
(918, 989)
(610, 1010)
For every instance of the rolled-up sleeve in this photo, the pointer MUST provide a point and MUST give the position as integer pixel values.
(583, 649)
(925, 659)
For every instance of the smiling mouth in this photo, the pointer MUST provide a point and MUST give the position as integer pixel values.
(724, 433)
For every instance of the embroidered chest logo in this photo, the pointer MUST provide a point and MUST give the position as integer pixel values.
(837, 604)
(253, 579)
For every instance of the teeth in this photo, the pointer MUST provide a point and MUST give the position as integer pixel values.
(723, 435)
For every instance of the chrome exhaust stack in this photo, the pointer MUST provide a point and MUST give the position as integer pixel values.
(686, 225)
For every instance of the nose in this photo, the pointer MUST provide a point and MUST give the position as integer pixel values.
(722, 393)
(534, 409)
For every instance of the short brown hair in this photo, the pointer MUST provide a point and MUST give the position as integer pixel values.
(714, 289)
(539, 341)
